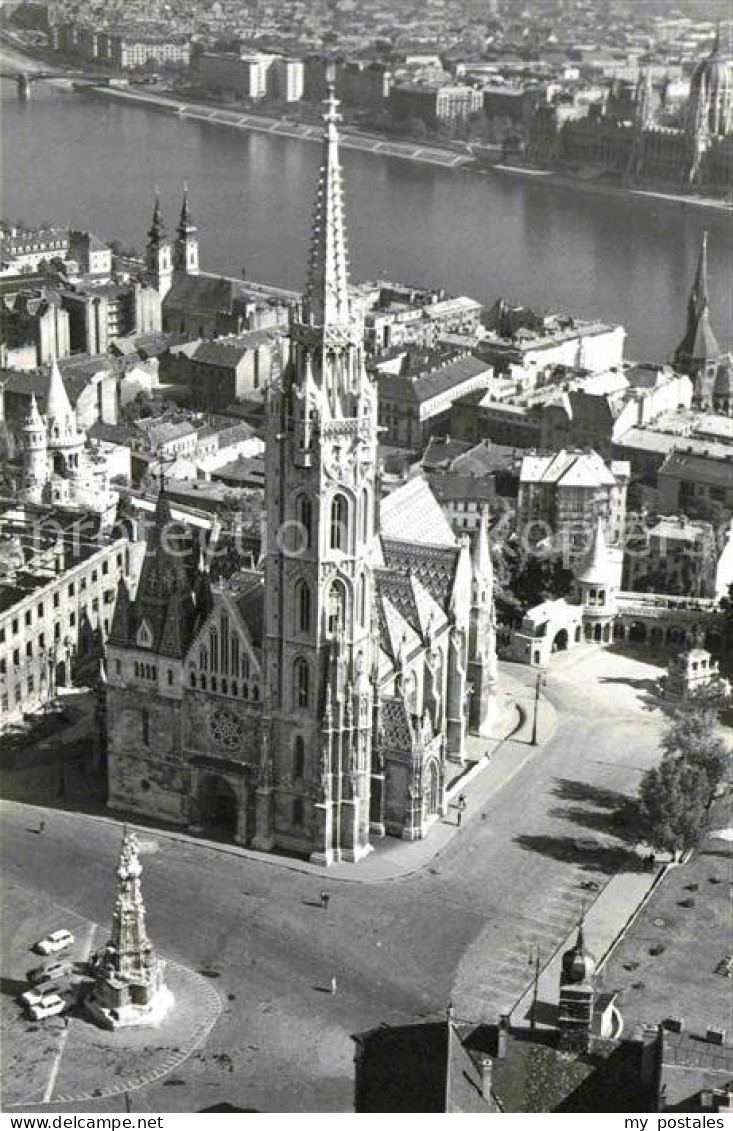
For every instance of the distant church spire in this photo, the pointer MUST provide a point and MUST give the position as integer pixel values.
(699, 298)
(326, 300)
(157, 227)
(698, 353)
(186, 250)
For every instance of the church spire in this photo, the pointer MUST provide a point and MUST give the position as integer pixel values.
(157, 227)
(699, 346)
(699, 298)
(185, 222)
(326, 300)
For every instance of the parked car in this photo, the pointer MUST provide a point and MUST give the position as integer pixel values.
(57, 940)
(38, 994)
(50, 1005)
(50, 970)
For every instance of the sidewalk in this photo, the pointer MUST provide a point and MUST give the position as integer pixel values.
(510, 750)
(605, 923)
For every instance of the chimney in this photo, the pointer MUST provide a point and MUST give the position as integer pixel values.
(485, 1065)
(674, 1024)
(715, 1036)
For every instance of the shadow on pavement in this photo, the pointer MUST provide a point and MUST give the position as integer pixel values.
(570, 790)
(597, 820)
(594, 857)
(225, 1107)
(11, 987)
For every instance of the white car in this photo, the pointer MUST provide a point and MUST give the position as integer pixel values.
(49, 1006)
(48, 971)
(57, 940)
(39, 994)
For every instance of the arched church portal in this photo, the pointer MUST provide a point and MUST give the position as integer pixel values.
(218, 806)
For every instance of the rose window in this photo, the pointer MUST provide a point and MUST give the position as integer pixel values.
(226, 729)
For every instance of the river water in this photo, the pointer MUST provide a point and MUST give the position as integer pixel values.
(73, 159)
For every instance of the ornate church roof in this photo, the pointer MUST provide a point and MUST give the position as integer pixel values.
(414, 507)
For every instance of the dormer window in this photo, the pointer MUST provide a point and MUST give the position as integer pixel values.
(144, 638)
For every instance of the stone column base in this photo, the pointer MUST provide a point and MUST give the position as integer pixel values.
(325, 859)
(351, 855)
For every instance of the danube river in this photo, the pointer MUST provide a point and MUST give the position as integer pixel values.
(74, 159)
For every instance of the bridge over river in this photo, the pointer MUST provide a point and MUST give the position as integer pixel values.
(23, 79)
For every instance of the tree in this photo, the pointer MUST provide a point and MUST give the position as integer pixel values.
(726, 604)
(671, 811)
(417, 129)
(691, 736)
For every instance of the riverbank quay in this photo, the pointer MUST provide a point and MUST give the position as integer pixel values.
(599, 187)
(429, 153)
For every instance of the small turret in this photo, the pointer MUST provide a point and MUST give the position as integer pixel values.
(578, 964)
(35, 453)
(482, 663)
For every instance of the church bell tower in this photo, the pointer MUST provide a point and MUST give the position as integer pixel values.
(158, 253)
(186, 249)
(321, 497)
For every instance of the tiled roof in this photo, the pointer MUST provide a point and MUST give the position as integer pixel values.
(433, 566)
(699, 468)
(396, 726)
(202, 293)
(413, 512)
(430, 385)
(690, 1063)
(251, 604)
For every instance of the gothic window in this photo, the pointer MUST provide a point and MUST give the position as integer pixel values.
(339, 518)
(336, 607)
(224, 642)
(146, 727)
(245, 667)
(203, 682)
(192, 679)
(300, 683)
(214, 649)
(234, 687)
(299, 757)
(245, 691)
(302, 606)
(144, 637)
(365, 524)
(255, 693)
(304, 516)
(203, 658)
(298, 813)
(234, 645)
(361, 600)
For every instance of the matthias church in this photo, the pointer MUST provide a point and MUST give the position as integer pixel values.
(324, 699)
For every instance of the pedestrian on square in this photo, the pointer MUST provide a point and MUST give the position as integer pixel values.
(333, 986)
(41, 826)
(462, 805)
(325, 898)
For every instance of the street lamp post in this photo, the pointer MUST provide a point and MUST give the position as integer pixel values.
(540, 682)
(535, 985)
